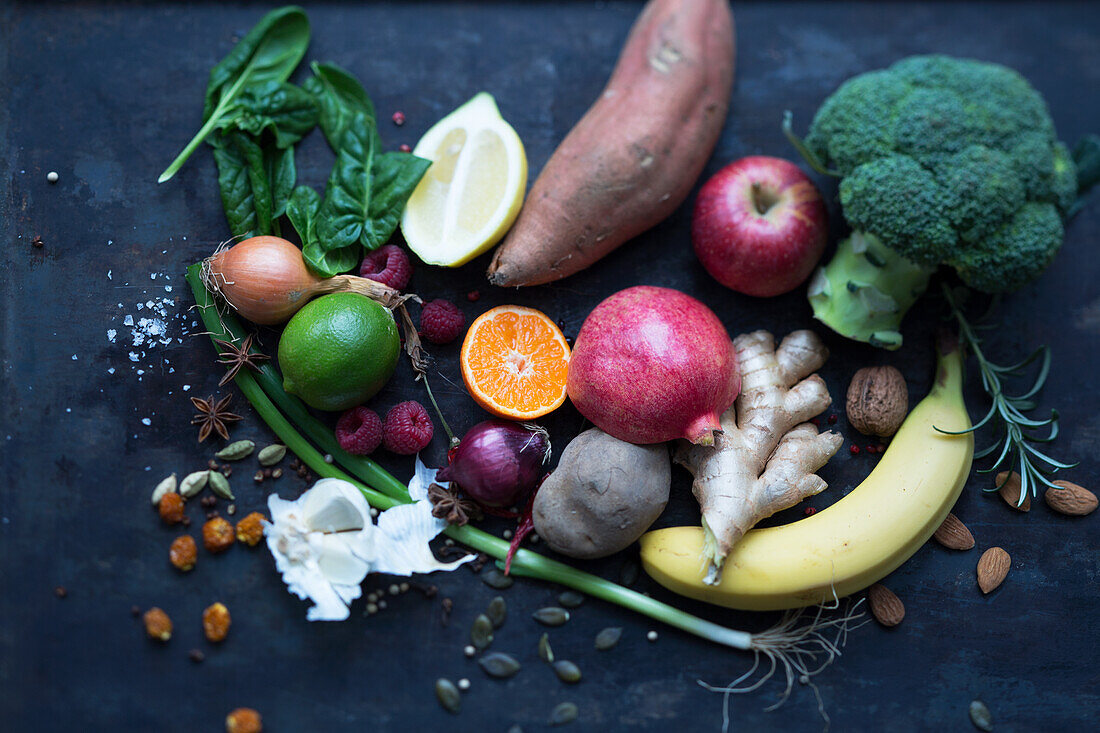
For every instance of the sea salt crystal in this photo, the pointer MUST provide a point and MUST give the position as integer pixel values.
(74, 357)
(146, 421)
(186, 387)
(128, 320)
(111, 333)
(152, 276)
(134, 356)
(167, 288)
(111, 370)
(109, 275)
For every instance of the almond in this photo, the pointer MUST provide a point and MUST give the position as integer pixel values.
(992, 568)
(953, 534)
(886, 607)
(1010, 491)
(1071, 499)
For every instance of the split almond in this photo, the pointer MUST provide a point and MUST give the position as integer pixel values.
(1010, 491)
(953, 534)
(992, 569)
(886, 607)
(1071, 499)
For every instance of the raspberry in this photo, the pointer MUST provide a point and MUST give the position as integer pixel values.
(388, 265)
(441, 322)
(407, 429)
(359, 431)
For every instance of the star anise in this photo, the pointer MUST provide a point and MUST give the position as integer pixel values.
(447, 504)
(237, 357)
(213, 416)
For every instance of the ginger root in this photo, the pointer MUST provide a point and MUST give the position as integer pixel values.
(764, 459)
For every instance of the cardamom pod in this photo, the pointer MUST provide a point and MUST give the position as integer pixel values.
(236, 451)
(546, 654)
(608, 638)
(219, 484)
(497, 611)
(551, 616)
(448, 696)
(271, 455)
(193, 483)
(497, 664)
(166, 486)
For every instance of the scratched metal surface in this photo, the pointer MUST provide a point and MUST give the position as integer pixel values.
(106, 93)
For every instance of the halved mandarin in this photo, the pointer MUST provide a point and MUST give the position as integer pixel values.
(514, 362)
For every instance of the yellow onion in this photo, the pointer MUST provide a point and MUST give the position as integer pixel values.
(266, 280)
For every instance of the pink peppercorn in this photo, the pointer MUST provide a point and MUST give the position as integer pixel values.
(398, 118)
(854, 450)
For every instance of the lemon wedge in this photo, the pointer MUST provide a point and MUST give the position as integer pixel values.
(473, 190)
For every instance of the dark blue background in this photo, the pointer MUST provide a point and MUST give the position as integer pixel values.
(106, 94)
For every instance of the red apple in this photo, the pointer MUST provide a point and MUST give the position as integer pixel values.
(759, 226)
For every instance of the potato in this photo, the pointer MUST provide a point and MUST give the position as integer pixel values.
(604, 494)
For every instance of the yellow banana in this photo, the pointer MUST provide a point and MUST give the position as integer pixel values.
(856, 541)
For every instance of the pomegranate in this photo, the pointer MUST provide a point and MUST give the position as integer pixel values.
(652, 364)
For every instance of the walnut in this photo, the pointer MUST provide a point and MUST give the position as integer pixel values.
(878, 401)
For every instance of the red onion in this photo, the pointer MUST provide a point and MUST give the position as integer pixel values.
(499, 462)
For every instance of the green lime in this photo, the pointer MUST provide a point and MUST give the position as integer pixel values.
(338, 351)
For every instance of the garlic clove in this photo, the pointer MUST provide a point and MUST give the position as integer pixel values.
(333, 505)
(338, 563)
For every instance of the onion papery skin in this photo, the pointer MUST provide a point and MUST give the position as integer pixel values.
(498, 462)
(263, 278)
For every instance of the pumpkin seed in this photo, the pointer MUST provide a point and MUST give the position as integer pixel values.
(193, 483)
(236, 451)
(546, 654)
(551, 616)
(166, 486)
(608, 638)
(563, 713)
(570, 599)
(497, 611)
(496, 579)
(567, 671)
(219, 484)
(629, 573)
(481, 633)
(980, 716)
(271, 455)
(448, 695)
(497, 664)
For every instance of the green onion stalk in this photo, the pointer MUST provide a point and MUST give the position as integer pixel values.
(310, 440)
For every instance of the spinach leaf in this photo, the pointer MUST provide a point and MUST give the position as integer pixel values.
(343, 213)
(285, 110)
(340, 97)
(281, 172)
(244, 183)
(270, 52)
(302, 209)
(393, 178)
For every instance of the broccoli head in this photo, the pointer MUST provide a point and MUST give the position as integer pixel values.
(942, 161)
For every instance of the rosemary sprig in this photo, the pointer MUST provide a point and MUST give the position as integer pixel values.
(1017, 432)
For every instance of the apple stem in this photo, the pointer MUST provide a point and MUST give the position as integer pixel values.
(762, 200)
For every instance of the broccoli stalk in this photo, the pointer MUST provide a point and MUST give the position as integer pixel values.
(865, 290)
(942, 161)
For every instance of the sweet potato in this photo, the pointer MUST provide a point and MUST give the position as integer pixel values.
(634, 156)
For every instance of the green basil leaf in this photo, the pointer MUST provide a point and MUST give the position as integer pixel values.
(270, 52)
(340, 97)
(289, 112)
(282, 174)
(244, 184)
(393, 178)
(344, 210)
